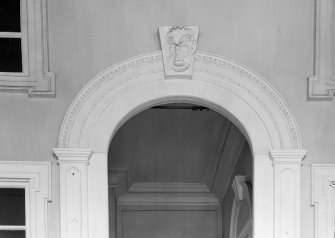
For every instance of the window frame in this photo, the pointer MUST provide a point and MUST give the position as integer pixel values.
(19, 183)
(35, 77)
(23, 34)
(35, 177)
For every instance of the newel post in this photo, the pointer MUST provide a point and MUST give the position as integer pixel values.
(287, 165)
(73, 191)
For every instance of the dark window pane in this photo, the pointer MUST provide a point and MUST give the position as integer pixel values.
(10, 15)
(12, 206)
(12, 234)
(10, 54)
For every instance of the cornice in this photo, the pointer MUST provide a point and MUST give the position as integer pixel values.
(288, 156)
(72, 154)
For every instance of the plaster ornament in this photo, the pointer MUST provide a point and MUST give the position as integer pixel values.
(179, 44)
(332, 184)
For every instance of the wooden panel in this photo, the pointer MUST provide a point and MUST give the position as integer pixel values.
(170, 224)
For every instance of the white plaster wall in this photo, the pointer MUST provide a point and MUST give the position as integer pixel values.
(272, 37)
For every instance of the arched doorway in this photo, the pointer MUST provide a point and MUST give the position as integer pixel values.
(170, 174)
(121, 91)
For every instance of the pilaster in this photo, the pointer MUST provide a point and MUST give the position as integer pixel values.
(287, 165)
(73, 191)
(323, 197)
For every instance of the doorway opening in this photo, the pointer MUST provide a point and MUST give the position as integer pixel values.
(179, 170)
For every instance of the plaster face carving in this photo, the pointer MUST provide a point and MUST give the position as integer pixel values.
(179, 44)
(332, 184)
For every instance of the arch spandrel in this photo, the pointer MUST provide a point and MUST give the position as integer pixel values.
(243, 96)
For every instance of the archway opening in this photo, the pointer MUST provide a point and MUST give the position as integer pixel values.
(179, 170)
(121, 91)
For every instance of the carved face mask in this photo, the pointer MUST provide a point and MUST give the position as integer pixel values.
(181, 46)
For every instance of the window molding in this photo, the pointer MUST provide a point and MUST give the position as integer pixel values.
(35, 177)
(323, 195)
(321, 86)
(35, 78)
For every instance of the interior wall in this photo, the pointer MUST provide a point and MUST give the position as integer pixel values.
(272, 37)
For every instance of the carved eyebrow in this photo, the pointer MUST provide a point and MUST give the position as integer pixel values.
(184, 37)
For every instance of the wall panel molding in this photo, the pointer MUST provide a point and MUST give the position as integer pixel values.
(141, 203)
(321, 86)
(169, 188)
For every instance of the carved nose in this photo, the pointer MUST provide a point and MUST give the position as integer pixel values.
(178, 61)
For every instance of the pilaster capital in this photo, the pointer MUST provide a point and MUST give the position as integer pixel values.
(287, 156)
(72, 155)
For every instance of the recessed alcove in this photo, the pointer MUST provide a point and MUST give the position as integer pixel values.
(170, 173)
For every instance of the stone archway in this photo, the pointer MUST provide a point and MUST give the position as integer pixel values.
(123, 90)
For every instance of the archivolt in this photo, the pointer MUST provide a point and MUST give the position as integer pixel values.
(220, 73)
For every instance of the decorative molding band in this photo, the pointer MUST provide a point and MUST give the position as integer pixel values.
(72, 155)
(323, 196)
(151, 66)
(169, 188)
(288, 156)
(265, 87)
(321, 86)
(168, 199)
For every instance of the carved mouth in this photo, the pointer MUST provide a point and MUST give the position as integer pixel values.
(180, 68)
